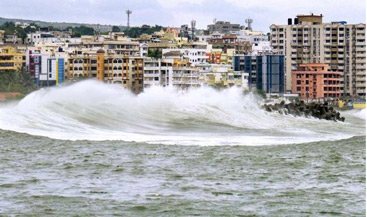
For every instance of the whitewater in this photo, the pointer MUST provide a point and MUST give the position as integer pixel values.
(91, 110)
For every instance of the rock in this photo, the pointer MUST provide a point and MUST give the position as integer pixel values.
(314, 109)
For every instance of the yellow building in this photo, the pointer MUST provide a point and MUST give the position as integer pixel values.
(107, 67)
(359, 105)
(11, 58)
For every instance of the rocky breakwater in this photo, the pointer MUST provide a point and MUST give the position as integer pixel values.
(314, 109)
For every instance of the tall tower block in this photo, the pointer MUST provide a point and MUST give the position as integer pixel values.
(100, 62)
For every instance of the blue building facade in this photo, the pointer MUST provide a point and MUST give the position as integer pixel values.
(61, 66)
(266, 72)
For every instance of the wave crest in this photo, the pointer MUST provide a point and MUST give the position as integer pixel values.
(91, 110)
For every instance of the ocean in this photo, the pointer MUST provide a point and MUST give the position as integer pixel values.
(91, 149)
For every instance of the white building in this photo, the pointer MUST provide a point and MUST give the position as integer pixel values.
(143, 49)
(47, 69)
(195, 55)
(261, 47)
(47, 37)
(252, 36)
(174, 72)
(157, 72)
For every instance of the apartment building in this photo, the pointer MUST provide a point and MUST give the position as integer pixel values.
(265, 72)
(252, 36)
(215, 56)
(11, 58)
(194, 55)
(223, 27)
(107, 67)
(184, 75)
(177, 72)
(225, 42)
(46, 69)
(315, 81)
(223, 76)
(340, 45)
(118, 47)
(157, 72)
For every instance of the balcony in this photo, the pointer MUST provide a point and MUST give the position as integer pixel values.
(151, 82)
(360, 37)
(360, 60)
(361, 85)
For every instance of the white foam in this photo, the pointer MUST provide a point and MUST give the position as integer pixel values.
(90, 110)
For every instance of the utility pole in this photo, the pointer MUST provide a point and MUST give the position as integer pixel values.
(128, 12)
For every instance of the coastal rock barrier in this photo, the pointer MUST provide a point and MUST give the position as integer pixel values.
(312, 109)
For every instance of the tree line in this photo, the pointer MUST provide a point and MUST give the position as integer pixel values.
(17, 81)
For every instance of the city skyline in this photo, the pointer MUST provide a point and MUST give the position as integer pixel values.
(175, 13)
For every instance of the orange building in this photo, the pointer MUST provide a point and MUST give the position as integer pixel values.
(314, 81)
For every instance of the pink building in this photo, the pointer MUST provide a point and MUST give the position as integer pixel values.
(314, 81)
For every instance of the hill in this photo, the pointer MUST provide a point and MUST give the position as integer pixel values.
(60, 25)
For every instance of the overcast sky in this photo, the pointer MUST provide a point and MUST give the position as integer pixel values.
(177, 12)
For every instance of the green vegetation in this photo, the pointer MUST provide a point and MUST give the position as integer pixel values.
(135, 32)
(116, 29)
(16, 81)
(260, 93)
(155, 53)
(11, 29)
(81, 30)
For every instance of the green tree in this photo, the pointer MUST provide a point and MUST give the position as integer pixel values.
(16, 81)
(11, 29)
(81, 30)
(135, 32)
(261, 93)
(116, 29)
(155, 53)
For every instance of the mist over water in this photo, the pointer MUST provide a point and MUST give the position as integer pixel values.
(91, 110)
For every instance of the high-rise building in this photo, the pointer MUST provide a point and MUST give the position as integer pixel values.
(266, 72)
(340, 45)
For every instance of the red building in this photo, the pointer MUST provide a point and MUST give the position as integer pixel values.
(214, 57)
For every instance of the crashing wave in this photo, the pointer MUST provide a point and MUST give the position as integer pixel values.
(91, 110)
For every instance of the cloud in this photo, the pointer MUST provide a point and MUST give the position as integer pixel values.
(178, 12)
(176, 3)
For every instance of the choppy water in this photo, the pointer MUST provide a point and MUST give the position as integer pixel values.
(225, 157)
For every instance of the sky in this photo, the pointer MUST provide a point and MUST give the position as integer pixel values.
(177, 12)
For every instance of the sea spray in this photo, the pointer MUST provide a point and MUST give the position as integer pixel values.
(91, 110)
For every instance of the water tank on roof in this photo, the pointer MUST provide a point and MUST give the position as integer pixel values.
(289, 21)
(295, 21)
